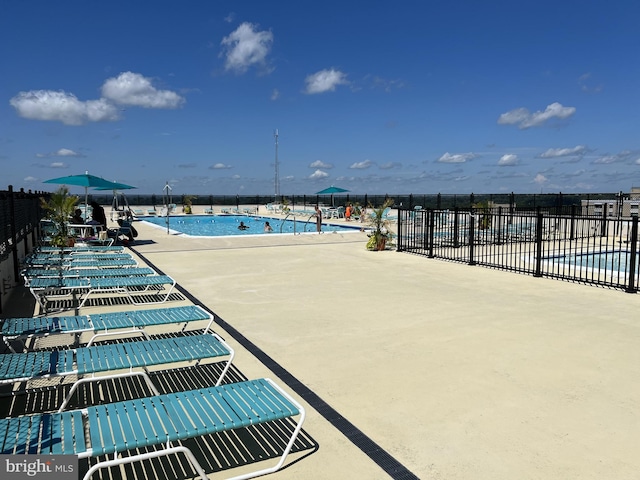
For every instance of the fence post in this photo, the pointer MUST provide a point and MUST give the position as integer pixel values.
(431, 231)
(472, 240)
(573, 222)
(498, 238)
(456, 228)
(538, 252)
(631, 287)
(400, 215)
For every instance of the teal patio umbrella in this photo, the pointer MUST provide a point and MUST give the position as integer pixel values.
(83, 180)
(330, 191)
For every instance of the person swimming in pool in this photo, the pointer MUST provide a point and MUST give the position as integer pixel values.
(267, 228)
(242, 226)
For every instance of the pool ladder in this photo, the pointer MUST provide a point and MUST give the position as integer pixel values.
(294, 222)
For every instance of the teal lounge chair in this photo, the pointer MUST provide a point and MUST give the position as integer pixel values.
(43, 289)
(120, 323)
(134, 356)
(79, 249)
(70, 261)
(116, 428)
(30, 273)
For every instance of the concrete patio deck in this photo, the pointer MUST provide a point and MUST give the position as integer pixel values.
(456, 372)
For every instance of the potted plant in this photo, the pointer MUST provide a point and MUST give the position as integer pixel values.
(380, 226)
(187, 201)
(59, 208)
(484, 214)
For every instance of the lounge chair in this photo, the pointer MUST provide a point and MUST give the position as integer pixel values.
(338, 212)
(121, 323)
(152, 212)
(120, 427)
(44, 288)
(30, 273)
(208, 211)
(81, 249)
(134, 356)
(51, 259)
(125, 229)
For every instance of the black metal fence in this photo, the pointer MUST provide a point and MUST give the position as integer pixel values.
(20, 214)
(582, 248)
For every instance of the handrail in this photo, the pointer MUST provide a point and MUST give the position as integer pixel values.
(307, 222)
(285, 219)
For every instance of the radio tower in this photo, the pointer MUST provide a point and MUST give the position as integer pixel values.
(277, 179)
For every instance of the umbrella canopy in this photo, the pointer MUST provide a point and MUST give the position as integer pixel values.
(116, 186)
(84, 180)
(331, 190)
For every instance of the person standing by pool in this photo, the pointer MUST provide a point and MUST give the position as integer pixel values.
(318, 219)
(267, 228)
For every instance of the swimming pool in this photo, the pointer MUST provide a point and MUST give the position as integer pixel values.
(225, 225)
(617, 260)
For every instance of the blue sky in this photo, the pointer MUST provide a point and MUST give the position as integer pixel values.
(375, 97)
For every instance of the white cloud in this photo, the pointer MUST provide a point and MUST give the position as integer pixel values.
(524, 119)
(540, 179)
(320, 164)
(318, 174)
(361, 165)
(63, 107)
(390, 165)
(606, 159)
(457, 157)
(246, 47)
(275, 94)
(58, 165)
(30, 179)
(65, 152)
(325, 81)
(508, 160)
(584, 82)
(564, 152)
(219, 166)
(130, 88)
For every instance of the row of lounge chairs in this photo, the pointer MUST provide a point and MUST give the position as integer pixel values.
(124, 430)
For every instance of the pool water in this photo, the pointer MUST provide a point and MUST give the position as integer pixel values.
(225, 225)
(614, 260)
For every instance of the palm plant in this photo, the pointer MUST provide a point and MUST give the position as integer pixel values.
(187, 201)
(59, 208)
(380, 225)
